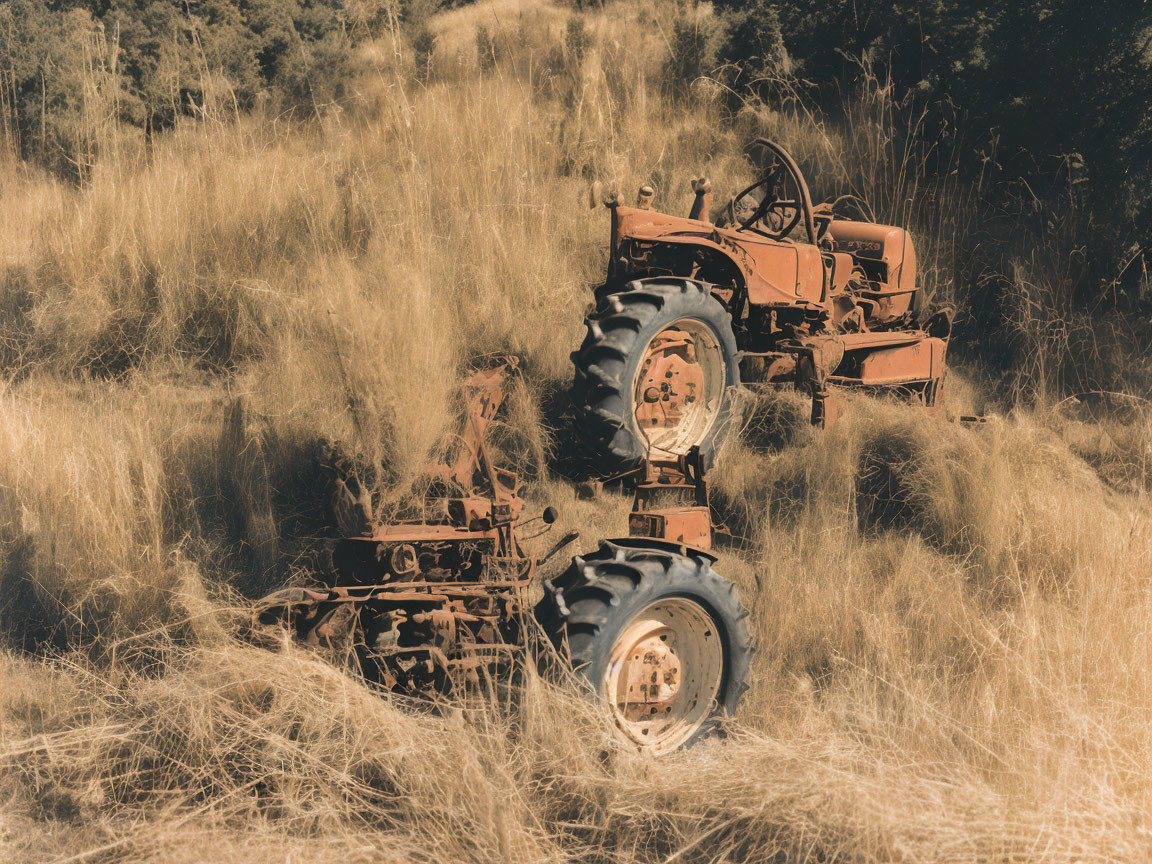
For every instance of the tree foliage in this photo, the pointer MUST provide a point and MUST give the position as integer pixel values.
(1056, 94)
(154, 60)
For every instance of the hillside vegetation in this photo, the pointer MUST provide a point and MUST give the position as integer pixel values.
(954, 620)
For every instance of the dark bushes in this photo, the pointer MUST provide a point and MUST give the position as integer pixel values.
(71, 68)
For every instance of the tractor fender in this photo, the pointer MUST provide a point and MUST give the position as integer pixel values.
(740, 262)
(797, 268)
(771, 273)
(706, 238)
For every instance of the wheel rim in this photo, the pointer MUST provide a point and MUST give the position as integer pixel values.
(678, 387)
(664, 674)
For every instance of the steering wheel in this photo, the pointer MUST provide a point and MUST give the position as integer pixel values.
(785, 212)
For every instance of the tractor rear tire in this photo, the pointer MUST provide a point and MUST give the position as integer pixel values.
(655, 374)
(660, 637)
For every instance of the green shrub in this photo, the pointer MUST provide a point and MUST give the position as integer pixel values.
(754, 43)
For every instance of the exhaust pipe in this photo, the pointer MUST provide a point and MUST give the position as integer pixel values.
(702, 204)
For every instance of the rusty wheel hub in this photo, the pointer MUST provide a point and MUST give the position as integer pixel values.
(664, 674)
(652, 680)
(678, 387)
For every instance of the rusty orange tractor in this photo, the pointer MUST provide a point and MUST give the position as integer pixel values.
(774, 291)
(449, 599)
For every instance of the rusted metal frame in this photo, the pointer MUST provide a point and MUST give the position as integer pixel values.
(401, 590)
(423, 532)
(483, 392)
(813, 369)
(468, 617)
(922, 360)
(816, 376)
(881, 293)
(686, 526)
(689, 523)
(463, 625)
(883, 384)
(385, 593)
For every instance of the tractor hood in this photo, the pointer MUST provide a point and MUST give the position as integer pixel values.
(885, 252)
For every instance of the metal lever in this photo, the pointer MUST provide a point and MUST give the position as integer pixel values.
(568, 538)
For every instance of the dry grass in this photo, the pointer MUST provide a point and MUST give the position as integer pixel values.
(954, 621)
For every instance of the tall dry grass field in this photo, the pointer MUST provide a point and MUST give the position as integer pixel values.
(954, 621)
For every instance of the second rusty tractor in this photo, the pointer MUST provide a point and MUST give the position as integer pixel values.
(448, 599)
(773, 291)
